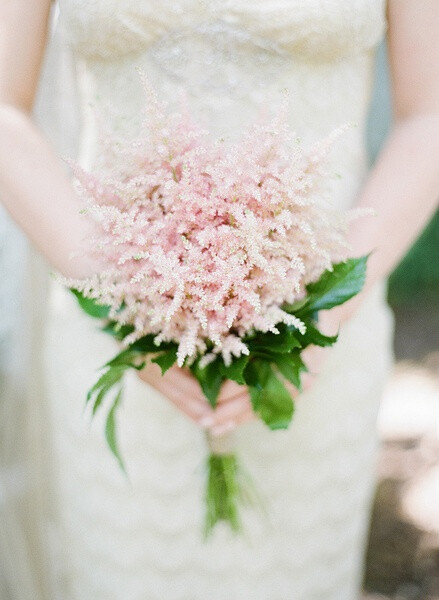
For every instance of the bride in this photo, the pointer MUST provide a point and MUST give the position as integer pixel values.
(113, 540)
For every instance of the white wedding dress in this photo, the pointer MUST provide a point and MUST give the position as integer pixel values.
(140, 539)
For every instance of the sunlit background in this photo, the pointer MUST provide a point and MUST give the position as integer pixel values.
(403, 552)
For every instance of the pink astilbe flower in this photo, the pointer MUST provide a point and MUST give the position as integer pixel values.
(205, 242)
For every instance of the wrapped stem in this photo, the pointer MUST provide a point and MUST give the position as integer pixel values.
(227, 486)
(222, 492)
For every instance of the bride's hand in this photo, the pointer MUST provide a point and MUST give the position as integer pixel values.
(183, 390)
(180, 387)
(234, 407)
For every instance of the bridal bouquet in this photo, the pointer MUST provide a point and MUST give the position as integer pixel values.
(217, 257)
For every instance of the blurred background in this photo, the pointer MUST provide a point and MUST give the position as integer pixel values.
(403, 551)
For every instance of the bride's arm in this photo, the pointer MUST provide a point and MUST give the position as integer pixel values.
(34, 186)
(403, 186)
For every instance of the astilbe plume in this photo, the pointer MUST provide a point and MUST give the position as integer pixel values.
(203, 242)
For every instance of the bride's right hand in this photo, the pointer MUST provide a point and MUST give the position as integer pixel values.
(180, 388)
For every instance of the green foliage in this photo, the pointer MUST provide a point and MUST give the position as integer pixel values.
(313, 336)
(110, 430)
(416, 279)
(335, 287)
(146, 345)
(210, 379)
(165, 360)
(127, 358)
(278, 343)
(91, 307)
(96, 395)
(235, 371)
(119, 332)
(105, 382)
(270, 398)
(228, 487)
(222, 492)
(291, 366)
(110, 379)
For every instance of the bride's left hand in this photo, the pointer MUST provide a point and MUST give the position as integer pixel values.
(233, 408)
(234, 405)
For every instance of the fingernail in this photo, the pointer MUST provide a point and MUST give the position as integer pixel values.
(206, 421)
(223, 428)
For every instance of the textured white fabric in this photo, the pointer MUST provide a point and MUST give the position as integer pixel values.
(140, 540)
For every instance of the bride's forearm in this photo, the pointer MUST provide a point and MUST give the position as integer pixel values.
(38, 194)
(403, 190)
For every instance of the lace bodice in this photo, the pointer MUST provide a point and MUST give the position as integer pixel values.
(313, 30)
(233, 58)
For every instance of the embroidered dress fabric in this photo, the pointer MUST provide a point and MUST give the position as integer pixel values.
(139, 540)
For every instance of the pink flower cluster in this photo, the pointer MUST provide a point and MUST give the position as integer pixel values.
(204, 240)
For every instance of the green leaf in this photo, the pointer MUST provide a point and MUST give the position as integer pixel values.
(104, 384)
(100, 398)
(296, 306)
(126, 359)
(235, 371)
(106, 380)
(270, 398)
(90, 306)
(291, 366)
(145, 344)
(166, 359)
(119, 332)
(337, 286)
(313, 336)
(284, 341)
(256, 372)
(110, 430)
(209, 378)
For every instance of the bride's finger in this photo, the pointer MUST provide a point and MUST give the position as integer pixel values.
(229, 411)
(179, 389)
(174, 377)
(194, 407)
(184, 379)
(244, 416)
(229, 390)
(307, 380)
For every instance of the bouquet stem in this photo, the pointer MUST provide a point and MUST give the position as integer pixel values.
(227, 486)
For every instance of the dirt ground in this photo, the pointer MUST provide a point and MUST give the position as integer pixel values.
(403, 553)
